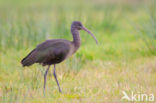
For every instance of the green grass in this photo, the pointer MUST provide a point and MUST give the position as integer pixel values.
(123, 60)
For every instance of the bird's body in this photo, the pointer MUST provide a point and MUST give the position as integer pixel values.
(55, 51)
(50, 52)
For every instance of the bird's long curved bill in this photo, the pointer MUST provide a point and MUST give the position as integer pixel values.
(85, 29)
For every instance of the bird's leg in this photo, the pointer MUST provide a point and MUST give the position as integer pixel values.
(57, 80)
(45, 77)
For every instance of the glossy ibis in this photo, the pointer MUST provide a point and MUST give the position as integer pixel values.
(55, 51)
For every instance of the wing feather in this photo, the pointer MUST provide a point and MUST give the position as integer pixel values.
(48, 52)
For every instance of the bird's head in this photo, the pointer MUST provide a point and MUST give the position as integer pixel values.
(78, 25)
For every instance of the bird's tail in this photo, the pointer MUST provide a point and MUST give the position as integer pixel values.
(29, 59)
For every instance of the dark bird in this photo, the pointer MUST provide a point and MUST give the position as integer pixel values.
(55, 51)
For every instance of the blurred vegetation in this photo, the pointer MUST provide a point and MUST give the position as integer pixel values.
(24, 24)
(123, 60)
(147, 30)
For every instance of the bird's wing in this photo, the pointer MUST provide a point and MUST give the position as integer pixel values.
(48, 50)
(52, 49)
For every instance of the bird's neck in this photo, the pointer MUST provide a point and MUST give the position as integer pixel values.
(76, 37)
